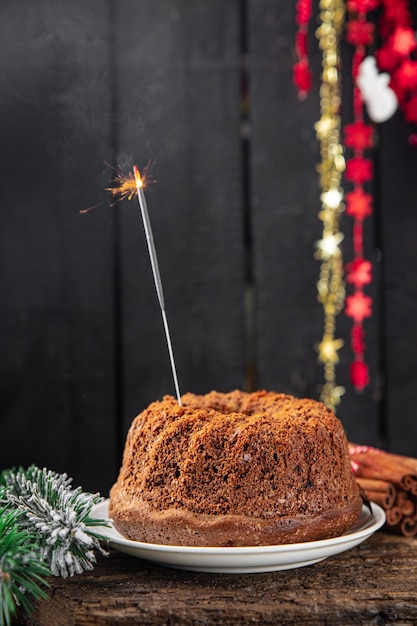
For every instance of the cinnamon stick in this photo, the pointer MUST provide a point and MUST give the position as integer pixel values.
(406, 527)
(393, 516)
(406, 461)
(376, 469)
(404, 503)
(410, 484)
(380, 491)
(375, 463)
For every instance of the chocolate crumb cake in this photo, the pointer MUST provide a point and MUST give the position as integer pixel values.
(235, 469)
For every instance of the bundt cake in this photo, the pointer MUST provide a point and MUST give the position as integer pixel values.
(235, 469)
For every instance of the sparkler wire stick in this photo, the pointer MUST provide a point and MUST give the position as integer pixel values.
(155, 271)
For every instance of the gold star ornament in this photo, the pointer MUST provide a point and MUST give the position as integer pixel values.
(327, 349)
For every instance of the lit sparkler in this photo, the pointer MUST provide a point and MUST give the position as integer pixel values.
(128, 186)
(139, 185)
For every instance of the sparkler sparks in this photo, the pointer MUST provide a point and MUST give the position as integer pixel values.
(124, 185)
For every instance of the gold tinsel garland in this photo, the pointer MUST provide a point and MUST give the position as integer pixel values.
(330, 286)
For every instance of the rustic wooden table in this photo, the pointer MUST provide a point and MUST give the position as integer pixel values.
(374, 583)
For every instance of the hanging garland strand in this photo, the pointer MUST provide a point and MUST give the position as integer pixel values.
(382, 93)
(330, 286)
(359, 171)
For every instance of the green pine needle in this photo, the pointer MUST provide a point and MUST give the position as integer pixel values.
(58, 515)
(21, 571)
(45, 528)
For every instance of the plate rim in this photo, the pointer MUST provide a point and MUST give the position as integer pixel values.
(372, 522)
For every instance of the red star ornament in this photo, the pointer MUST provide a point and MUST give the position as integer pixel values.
(359, 170)
(358, 306)
(359, 33)
(358, 136)
(359, 272)
(302, 76)
(359, 374)
(358, 204)
(403, 41)
(303, 10)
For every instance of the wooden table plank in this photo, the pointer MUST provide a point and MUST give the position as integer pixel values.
(374, 583)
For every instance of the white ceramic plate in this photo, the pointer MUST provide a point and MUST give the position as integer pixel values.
(248, 559)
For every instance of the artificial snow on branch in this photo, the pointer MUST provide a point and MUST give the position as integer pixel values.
(21, 571)
(58, 514)
(47, 523)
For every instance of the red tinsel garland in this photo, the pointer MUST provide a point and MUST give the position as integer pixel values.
(359, 171)
(303, 77)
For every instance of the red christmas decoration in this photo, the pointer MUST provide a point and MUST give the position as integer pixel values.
(303, 11)
(387, 59)
(389, 34)
(301, 44)
(362, 6)
(402, 41)
(405, 76)
(303, 77)
(358, 204)
(359, 375)
(396, 12)
(359, 272)
(358, 306)
(360, 33)
(358, 136)
(302, 74)
(397, 54)
(359, 170)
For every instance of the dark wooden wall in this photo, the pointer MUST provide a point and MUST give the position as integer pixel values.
(234, 212)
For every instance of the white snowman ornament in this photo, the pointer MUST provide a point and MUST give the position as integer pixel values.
(380, 100)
